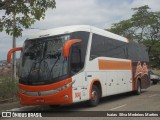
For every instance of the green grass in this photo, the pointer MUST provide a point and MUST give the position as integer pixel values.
(8, 87)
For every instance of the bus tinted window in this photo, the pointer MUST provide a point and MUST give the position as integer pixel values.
(137, 52)
(133, 52)
(107, 47)
(97, 47)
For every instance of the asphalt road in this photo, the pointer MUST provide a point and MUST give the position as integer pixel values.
(149, 100)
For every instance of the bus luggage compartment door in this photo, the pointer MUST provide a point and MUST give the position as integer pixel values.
(111, 80)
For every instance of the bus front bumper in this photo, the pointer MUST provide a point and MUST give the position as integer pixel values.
(60, 98)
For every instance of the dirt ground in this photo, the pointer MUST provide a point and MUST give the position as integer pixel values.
(7, 106)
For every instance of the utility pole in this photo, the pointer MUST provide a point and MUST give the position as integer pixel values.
(14, 45)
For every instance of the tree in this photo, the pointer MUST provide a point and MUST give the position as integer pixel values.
(143, 27)
(21, 14)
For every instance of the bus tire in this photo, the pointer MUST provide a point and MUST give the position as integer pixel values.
(138, 91)
(95, 96)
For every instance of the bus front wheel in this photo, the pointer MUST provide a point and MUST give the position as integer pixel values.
(95, 96)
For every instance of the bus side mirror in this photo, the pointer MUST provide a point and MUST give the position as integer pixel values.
(67, 46)
(12, 51)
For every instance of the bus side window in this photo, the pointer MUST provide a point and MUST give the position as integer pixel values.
(75, 60)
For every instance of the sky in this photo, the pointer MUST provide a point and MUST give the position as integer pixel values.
(98, 13)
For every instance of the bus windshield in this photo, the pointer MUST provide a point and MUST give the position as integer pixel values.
(43, 61)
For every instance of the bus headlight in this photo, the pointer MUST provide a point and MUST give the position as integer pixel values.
(22, 91)
(65, 86)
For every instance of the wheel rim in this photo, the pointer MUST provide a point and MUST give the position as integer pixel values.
(139, 88)
(94, 95)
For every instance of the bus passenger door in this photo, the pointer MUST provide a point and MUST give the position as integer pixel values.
(85, 87)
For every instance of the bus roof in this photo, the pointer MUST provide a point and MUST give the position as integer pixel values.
(76, 28)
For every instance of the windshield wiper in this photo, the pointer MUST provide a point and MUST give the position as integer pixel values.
(55, 55)
(35, 67)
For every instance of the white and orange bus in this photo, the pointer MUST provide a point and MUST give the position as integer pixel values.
(79, 63)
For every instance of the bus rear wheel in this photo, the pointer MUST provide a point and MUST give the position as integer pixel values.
(138, 91)
(95, 96)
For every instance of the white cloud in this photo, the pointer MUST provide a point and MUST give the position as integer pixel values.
(99, 13)
(153, 4)
(90, 12)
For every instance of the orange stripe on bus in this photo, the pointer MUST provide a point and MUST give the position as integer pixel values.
(114, 65)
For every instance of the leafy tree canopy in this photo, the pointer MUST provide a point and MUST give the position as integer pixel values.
(143, 27)
(24, 13)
